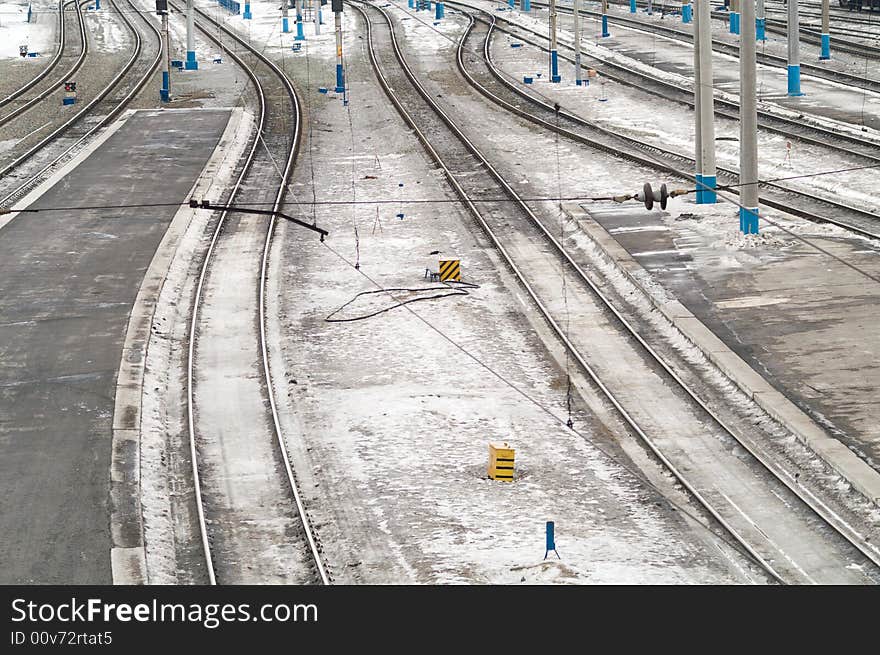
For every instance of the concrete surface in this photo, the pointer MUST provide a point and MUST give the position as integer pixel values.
(67, 284)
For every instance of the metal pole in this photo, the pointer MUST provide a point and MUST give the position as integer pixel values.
(748, 121)
(191, 63)
(340, 74)
(605, 31)
(760, 22)
(285, 19)
(577, 43)
(526, 5)
(632, 6)
(165, 92)
(317, 16)
(554, 60)
(794, 55)
(707, 179)
(247, 10)
(826, 33)
(300, 35)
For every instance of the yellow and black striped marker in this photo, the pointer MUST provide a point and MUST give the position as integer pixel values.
(501, 461)
(450, 269)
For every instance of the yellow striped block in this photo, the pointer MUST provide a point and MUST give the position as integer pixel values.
(501, 461)
(450, 269)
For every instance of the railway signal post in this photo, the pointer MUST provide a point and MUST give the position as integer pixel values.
(794, 54)
(705, 115)
(336, 6)
(748, 121)
(554, 57)
(165, 91)
(192, 63)
(605, 31)
(826, 32)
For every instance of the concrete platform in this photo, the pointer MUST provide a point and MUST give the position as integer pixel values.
(794, 328)
(68, 281)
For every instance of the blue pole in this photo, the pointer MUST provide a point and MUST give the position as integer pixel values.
(605, 31)
(527, 5)
(191, 63)
(411, 4)
(734, 22)
(826, 47)
(698, 181)
(511, 4)
(247, 11)
(761, 29)
(300, 36)
(163, 92)
(685, 13)
(285, 25)
(748, 220)
(439, 11)
(554, 67)
(794, 80)
(632, 6)
(97, 4)
(709, 183)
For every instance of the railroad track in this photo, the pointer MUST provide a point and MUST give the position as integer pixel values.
(74, 133)
(507, 93)
(812, 36)
(271, 157)
(62, 43)
(56, 84)
(518, 233)
(860, 220)
(731, 49)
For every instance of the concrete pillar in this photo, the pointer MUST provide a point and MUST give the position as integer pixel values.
(826, 32)
(760, 22)
(285, 19)
(439, 11)
(748, 121)
(317, 17)
(554, 57)
(247, 11)
(192, 63)
(707, 179)
(576, 15)
(300, 34)
(794, 54)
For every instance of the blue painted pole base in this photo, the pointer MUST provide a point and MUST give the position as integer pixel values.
(526, 5)
(97, 5)
(300, 35)
(411, 4)
(554, 67)
(826, 47)
(191, 63)
(760, 29)
(439, 11)
(68, 101)
(706, 185)
(734, 22)
(605, 31)
(247, 12)
(340, 79)
(511, 4)
(632, 6)
(748, 220)
(686, 13)
(285, 25)
(794, 81)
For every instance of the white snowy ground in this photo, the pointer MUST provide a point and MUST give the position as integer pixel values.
(389, 422)
(38, 35)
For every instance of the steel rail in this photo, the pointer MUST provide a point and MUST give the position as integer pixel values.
(84, 51)
(810, 500)
(521, 276)
(279, 197)
(731, 174)
(114, 112)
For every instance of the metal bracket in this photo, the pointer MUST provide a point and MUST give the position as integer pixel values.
(204, 204)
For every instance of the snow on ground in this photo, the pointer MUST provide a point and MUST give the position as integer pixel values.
(107, 30)
(389, 422)
(38, 35)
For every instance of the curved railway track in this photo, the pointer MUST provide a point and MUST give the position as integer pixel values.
(272, 155)
(62, 41)
(56, 84)
(578, 129)
(819, 209)
(95, 115)
(732, 49)
(509, 224)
